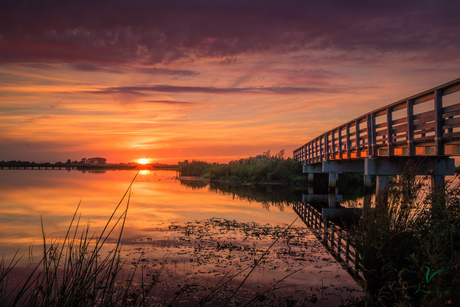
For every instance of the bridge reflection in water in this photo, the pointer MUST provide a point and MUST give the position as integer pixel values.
(323, 213)
(335, 239)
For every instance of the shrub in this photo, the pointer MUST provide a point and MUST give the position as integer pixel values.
(405, 237)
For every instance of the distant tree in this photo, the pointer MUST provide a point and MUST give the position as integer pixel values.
(68, 161)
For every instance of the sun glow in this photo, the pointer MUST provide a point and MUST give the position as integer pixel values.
(143, 161)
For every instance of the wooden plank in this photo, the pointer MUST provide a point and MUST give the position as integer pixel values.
(398, 121)
(400, 129)
(423, 134)
(451, 122)
(428, 115)
(452, 135)
(380, 112)
(451, 114)
(362, 119)
(381, 125)
(399, 106)
(452, 108)
(425, 126)
(381, 132)
(400, 144)
(363, 130)
(451, 89)
(423, 98)
(404, 124)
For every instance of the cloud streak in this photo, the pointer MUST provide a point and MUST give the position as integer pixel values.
(144, 90)
(117, 31)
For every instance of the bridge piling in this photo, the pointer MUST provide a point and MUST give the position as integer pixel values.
(383, 182)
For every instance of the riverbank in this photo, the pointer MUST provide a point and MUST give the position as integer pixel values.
(112, 166)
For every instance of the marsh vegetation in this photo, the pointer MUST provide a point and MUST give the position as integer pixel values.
(261, 168)
(410, 246)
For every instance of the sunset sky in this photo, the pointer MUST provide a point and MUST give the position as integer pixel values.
(209, 80)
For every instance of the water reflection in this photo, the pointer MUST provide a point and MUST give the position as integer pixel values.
(268, 195)
(157, 199)
(281, 196)
(216, 230)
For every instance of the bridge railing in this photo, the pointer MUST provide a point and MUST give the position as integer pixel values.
(337, 241)
(425, 124)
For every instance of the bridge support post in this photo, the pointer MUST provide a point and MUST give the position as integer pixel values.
(332, 181)
(437, 189)
(367, 192)
(311, 178)
(437, 167)
(383, 181)
(367, 181)
(332, 200)
(437, 182)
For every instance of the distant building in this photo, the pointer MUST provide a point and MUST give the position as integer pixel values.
(96, 161)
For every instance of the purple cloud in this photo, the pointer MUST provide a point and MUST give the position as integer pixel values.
(116, 31)
(143, 90)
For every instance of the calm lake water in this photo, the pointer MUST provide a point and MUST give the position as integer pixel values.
(195, 232)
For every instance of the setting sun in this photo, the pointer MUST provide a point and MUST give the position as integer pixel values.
(143, 161)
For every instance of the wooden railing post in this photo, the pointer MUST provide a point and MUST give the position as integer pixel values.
(410, 128)
(371, 135)
(326, 148)
(358, 145)
(348, 142)
(333, 149)
(339, 136)
(439, 122)
(390, 132)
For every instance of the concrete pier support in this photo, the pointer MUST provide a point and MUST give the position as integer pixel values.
(367, 191)
(381, 193)
(436, 167)
(311, 178)
(367, 181)
(437, 181)
(332, 181)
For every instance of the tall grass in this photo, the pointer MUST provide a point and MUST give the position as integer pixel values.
(412, 232)
(74, 271)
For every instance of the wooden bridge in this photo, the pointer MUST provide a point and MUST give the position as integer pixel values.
(422, 130)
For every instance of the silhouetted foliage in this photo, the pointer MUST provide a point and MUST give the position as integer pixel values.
(403, 238)
(261, 168)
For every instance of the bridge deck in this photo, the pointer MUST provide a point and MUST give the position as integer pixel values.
(426, 124)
